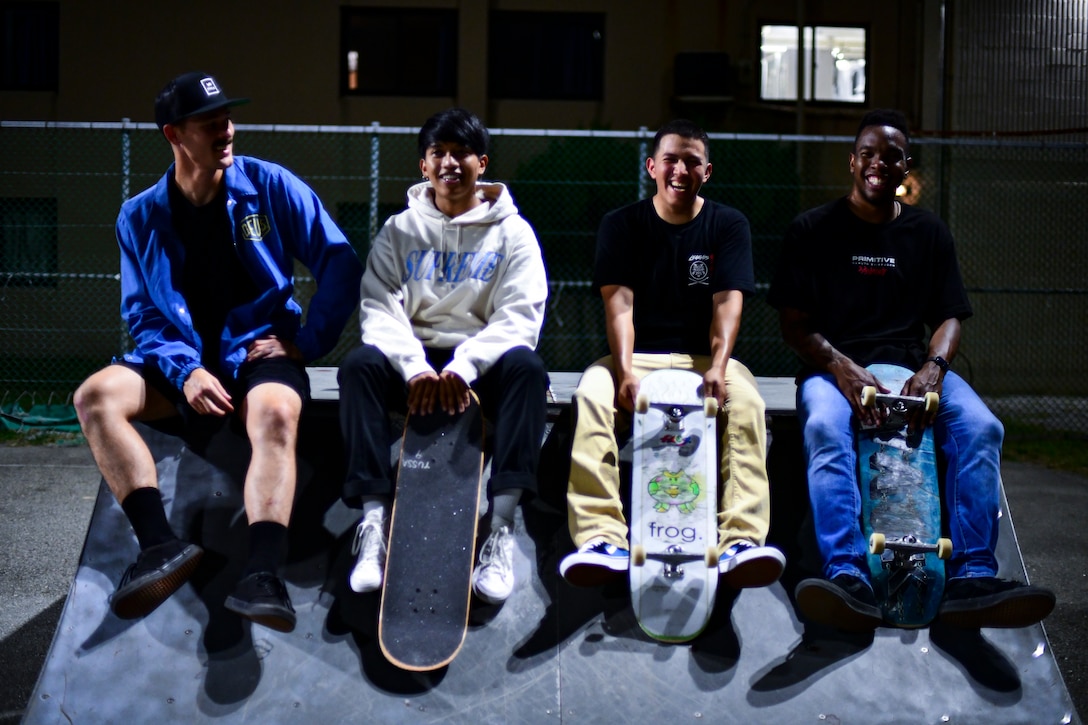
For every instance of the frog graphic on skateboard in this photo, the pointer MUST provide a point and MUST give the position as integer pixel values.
(674, 505)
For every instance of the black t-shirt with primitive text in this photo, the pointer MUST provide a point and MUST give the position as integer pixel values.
(871, 289)
(674, 270)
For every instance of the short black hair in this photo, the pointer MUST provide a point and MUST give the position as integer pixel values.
(684, 129)
(884, 117)
(454, 125)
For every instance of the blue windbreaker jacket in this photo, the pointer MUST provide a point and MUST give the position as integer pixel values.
(276, 218)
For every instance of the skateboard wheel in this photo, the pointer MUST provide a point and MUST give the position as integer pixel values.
(876, 543)
(642, 403)
(710, 407)
(932, 401)
(638, 555)
(868, 396)
(944, 548)
(712, 553)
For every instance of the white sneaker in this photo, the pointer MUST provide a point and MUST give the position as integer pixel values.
(493, 580)
(369, 546)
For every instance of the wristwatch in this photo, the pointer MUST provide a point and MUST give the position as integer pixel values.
(939, 362)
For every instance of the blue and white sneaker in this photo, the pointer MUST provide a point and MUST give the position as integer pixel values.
(596, 562)
(745, 565)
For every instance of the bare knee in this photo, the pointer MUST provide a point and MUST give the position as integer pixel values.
(91, 399)
(273, 419)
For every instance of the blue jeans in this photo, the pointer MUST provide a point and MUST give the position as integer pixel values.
(967, 434)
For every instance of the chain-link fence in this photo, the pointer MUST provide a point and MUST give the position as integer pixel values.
(1014, 208)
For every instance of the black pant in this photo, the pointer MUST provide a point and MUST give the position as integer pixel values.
(512, 397)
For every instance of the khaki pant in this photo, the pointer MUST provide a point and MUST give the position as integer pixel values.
(593, 491)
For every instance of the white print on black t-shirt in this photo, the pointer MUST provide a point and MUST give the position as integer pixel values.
(699, 269)
(877, 266)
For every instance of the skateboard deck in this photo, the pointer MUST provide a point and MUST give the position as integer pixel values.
(901, 506)
(432, 539)
(674, 506)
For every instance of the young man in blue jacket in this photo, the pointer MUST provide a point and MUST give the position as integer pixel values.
(207, 259)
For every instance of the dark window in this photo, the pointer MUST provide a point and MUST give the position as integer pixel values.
(29, 46)
(398, 52)
(546, 56)
(28, 242)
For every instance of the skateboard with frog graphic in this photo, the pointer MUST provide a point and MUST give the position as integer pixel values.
(674, 513)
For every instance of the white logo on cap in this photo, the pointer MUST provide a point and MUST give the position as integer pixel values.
(210, 89)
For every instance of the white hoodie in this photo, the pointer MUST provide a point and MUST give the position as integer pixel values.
(475, 283)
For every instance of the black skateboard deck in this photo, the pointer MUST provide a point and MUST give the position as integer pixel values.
(432, 539)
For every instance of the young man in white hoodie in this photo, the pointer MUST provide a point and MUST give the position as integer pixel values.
(453, 298)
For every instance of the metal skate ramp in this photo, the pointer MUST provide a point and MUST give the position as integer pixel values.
(552, 653)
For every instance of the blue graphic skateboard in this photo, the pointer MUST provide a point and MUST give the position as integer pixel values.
(901, 505)
(674, 506)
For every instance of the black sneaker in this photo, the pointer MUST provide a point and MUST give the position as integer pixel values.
(976, 602)
(262, 598)
(846, 602)
(159, 571)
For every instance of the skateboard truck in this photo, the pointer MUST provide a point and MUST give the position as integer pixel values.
(673, 558)
(907, 547)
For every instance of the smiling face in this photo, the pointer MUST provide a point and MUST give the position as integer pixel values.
(878, 164)
(680, 168)
(453, 170)
(204, 142)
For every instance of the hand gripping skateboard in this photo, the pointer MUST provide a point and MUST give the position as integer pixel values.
(432, 539)
(901, 505)
(674, 506)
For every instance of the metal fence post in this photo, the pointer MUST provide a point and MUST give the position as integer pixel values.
(126, 186)
(375, 167)
(643, 154)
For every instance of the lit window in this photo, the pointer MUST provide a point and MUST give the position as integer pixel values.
(831, 58)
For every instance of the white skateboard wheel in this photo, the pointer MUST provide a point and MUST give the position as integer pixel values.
(710, 407)
(932, 401)
(638, 555)
(876, 543)
(868, 396)
(944, 548)
(642, 403)
(712, 553)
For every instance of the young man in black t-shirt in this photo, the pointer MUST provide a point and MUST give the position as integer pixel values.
(860, 280)
(673, 271)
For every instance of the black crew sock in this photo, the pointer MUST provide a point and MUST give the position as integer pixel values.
(267, 547)
(503, 506)
(145, 512)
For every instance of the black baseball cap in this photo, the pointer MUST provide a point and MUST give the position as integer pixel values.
(188, 95)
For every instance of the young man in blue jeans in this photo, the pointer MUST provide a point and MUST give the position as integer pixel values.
(860, 280)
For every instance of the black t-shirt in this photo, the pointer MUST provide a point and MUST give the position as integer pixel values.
(674, 270)
(213, 280)
(871, 289)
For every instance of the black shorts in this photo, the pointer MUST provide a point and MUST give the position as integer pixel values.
(283, 370)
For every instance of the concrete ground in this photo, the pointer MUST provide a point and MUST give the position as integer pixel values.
(47, 495)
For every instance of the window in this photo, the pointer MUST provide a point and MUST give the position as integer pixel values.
(28, 242)
(29, 46)
(831, 58)
(398, 52)
(546, 56)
